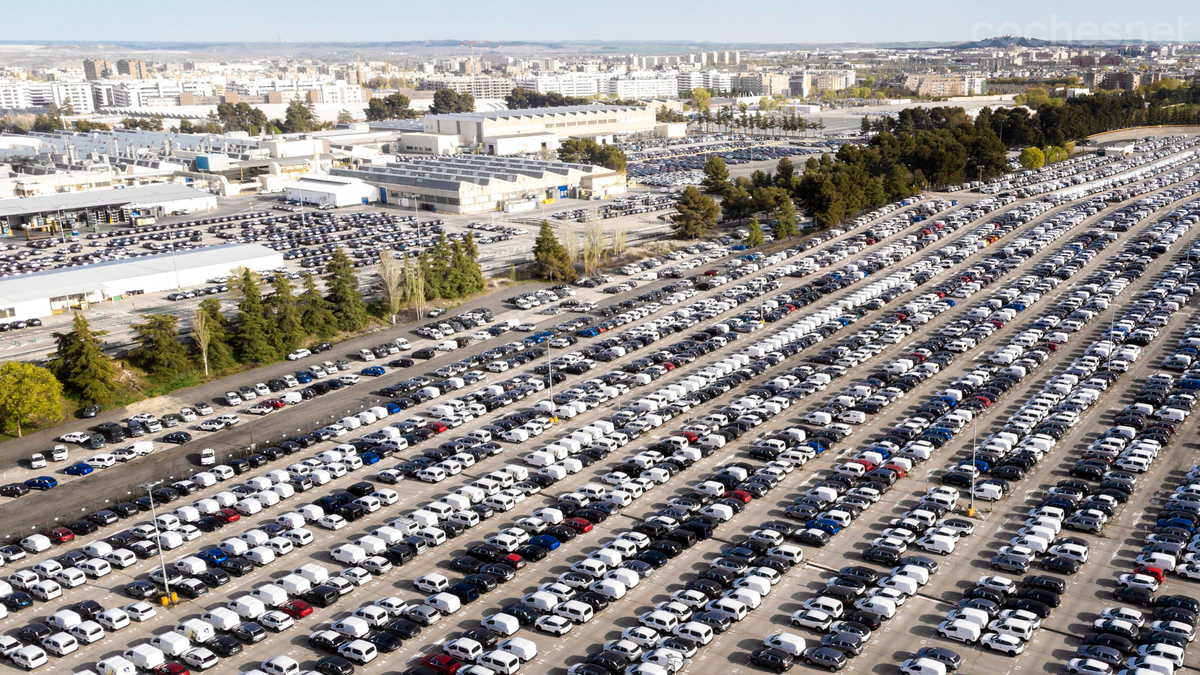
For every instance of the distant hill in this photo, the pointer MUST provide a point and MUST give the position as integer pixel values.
(1003, 42)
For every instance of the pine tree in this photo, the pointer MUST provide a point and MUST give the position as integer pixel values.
(159, 351)
(288, 331)
(82, 366)
(785, 224)
(343, 294)
(716, 176)
(252, 338)
(474, 273)
(756, 237)
(317, 316)
(697, 214)
(551, 256)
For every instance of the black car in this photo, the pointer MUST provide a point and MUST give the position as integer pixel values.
(177, 437)
(772, 659)
(1133, 595)
(384, 641)
(941, 654)
(334, 665)
(214, 577)
(249, 632)
(87, 609)
(403, 628)
(224, 646)
(34, 633)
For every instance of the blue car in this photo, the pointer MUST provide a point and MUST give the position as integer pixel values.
(373, 371)
(826, 524)
(303, 376)
(369, 458)
(78, 469)
(393, 408)
(41, 483)
(212, 556)
(545, 541)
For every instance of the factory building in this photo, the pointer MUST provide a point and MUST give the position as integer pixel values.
(42, 294)
(331, 191)
(71, 211)
(497, 131)
(479, 183)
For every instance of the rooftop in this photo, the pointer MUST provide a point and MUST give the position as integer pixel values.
(89, 278)
(68, 201)
(535, 112)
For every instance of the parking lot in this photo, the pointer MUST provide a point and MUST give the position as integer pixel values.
(791, 323)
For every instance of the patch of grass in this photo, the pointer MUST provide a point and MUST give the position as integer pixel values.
(163, 386)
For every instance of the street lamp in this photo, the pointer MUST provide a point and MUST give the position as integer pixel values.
(974, 466)
(162, 560)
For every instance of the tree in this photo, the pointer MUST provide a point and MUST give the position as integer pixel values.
(450, 101)
(522, 98)
(716, 176)
(587, 151)
(1032, 158)
(344, 117)
(390, 107)
(216, 354)
(47, 123)
(785, 224)
(414, 286)
(342, 292)
(28, 394)
(701, 98)
(300, 116)
(551, 256)
(251, 337)
(697, 213)
(287, 329)
(202, 335)
(159, 351)
(755, 237)
(317, 316)
(737, 203)
(390, 281)
(81, 365)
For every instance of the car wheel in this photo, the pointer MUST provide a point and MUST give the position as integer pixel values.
(808, 662)
(833, 669)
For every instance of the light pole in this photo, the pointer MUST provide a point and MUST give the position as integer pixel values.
(974, 467)
(162, 560)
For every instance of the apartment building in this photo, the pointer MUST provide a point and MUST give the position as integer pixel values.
(479, 86)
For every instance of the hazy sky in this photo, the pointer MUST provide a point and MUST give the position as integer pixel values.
(544, 20)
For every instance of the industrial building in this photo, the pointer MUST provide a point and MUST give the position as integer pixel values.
(331, 191)
(478, 183)
(70, 211)
(500, 131)
(43, 294)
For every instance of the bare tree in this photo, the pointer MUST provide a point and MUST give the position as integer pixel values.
(593, 246)
(202, 334)
(391, 282)
(619, 237)
(414, 286)
(570, 241)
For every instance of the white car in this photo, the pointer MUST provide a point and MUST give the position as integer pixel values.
(75, 437)
(998, 583)
(298, 354)
(276, 620)
(1124, 614)
(260, 409)
(1138, 581)
(1088, 667)
(356, 575)
(200, 658)
(211, 425)
(1002, 643)
(554, 625)
(140, 611)
(811, 618)
(332, 522)
(228, 420)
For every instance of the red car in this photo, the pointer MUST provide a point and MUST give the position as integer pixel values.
(296, 609)
(60, 535)
(442, 663)
(276, 403)
(227, 515)
(690, 435)
(171, 668)
(580, 525)
(514, 560)
(741, 495)
(1155, 572)
(437, 426)
(900, 472)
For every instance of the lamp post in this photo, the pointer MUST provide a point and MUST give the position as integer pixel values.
(162, 561)
(974, 467)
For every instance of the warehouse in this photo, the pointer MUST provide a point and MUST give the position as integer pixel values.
(331, 191)
(478, 183)
(498, 131)
(43, 294)
(71, 211)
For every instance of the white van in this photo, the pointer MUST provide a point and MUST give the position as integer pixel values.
(695, 631)
(500, 662)
(579, 612)
(171, 644)
(923, 666)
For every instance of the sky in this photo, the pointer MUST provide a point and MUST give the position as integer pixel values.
(721, 21)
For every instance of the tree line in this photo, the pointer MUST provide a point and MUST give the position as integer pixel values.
(264, 328)
(522, 98)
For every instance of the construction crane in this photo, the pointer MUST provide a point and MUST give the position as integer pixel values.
(471, 55)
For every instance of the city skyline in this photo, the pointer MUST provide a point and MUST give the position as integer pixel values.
(790, 22)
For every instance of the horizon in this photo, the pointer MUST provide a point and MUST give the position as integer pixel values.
(795, 22)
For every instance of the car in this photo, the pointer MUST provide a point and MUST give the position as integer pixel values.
(772, 659)
(1005, 644)
(1088, 667)
(825, 657)
(554, 625)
